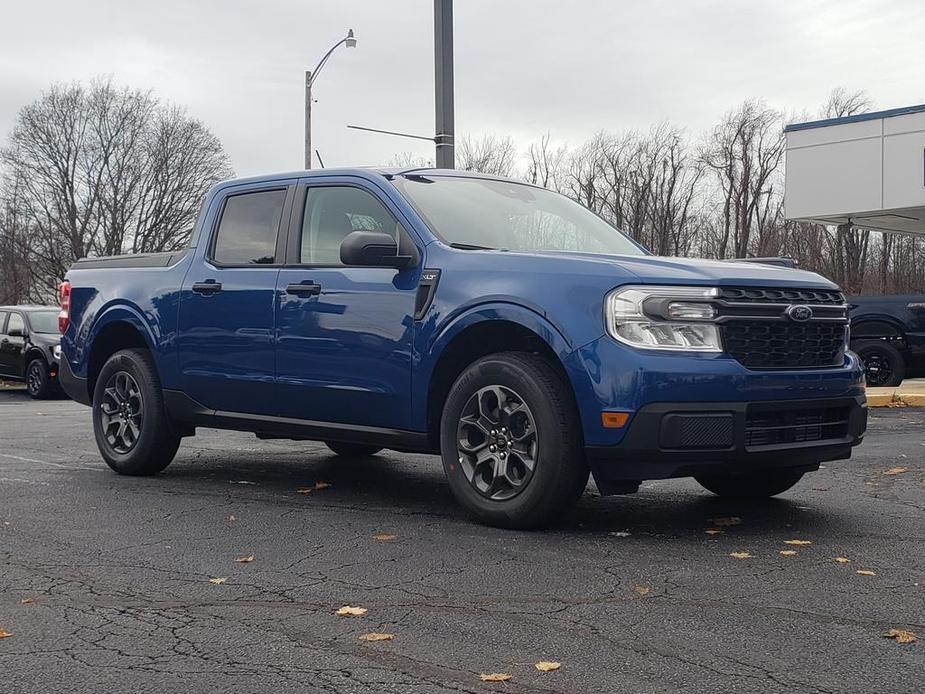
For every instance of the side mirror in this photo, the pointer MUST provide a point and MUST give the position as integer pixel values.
(17, 332)
(372, 248)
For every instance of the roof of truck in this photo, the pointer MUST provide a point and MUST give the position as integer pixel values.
(368, 172)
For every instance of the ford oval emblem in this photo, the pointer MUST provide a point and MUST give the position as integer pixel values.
(799, 313)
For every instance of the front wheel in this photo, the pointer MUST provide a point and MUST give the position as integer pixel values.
(510, 442)
(133, 433)
(751, 485)
(38, 380)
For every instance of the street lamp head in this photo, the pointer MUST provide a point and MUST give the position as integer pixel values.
(350, 41)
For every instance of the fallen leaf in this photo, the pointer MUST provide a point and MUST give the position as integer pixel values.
(217, 581)
(714, 531)
(642, 590)
(620, 533)
(896, 470)
(547, 665)
(245, 560)
(842, 560)
(900, 635)
(232, 518)
(376, 636)
(865, 572)
(740, 555)
(495, 677)
(348, 611)
(725, 522)
(304, 490)
(25, 601)
(241, 482)
(321, 485)
(788, 552)
(384, 537)
(798, 542)
(4, 633)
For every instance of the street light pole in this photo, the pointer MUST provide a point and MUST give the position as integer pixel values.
(443, 83)
(310, 76)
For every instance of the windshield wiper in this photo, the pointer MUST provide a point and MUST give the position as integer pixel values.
(473, 247)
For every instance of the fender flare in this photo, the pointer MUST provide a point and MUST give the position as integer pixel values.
(117, 313)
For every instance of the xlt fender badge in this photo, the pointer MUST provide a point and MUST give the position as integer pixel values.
(427, 287)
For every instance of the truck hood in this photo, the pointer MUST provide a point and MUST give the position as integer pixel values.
(651, 269)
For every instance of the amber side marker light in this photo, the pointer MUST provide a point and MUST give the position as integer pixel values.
(614, 420)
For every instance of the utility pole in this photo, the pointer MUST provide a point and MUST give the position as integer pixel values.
(308, 119)
(443, 82)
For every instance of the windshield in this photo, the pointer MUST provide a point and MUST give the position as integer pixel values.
(510, 216)
(43, 321)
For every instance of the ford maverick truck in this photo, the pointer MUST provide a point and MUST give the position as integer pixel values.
(500, 325)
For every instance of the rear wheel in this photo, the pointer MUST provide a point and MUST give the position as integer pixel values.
(352, 450)
(883, 363)
(38, 381)
(752, 485)
(133, 433)
(510, 442)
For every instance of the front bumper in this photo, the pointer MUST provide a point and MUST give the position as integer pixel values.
(684, 439)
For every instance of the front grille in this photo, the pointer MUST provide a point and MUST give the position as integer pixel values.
(780, 427)
(757, 331)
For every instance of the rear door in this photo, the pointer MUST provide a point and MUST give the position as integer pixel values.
(226, 329)
(4, 341)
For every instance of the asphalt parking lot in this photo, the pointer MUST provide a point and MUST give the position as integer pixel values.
(110, 584)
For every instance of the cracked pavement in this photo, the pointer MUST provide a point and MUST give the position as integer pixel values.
(118, 569)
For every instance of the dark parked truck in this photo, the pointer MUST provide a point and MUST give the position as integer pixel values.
(888, 334)
(501, 325)
(29, 347)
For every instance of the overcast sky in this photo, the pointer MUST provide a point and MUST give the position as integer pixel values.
(523, 67)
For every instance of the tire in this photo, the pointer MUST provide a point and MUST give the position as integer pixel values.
(883, 363)
(133, 433)
(38, 381)
(522, 497)
(752, 485)
(352, 450)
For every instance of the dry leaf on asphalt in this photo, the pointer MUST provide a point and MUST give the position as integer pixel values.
(740, 555)
(495, 677)
(217, 581)
(547, 665)
(304, 490)
(4, 633)
(900, 635)
(788, 552)
(896, 471)
(714, 531)
(865, 572)
(321, 485)
(348, 611)
(798, 542)
(245, 560)
(25, 601)
(619, 533)
(641, 590)
(232, 518)
(842, 560)
(376, 636)
(725, 522)
(384, 537)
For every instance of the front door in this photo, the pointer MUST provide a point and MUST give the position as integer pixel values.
(225, 339)
(11, 346)
(344, 334)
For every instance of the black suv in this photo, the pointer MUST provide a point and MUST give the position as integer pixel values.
(29, 347)
(888, 334)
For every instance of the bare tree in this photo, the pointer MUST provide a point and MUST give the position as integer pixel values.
(101, 170)
(489, 154)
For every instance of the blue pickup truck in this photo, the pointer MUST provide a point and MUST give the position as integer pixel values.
(498, 324)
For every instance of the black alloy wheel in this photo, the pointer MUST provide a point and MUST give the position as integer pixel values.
(37, 378)
(121, 412)
(497, 442)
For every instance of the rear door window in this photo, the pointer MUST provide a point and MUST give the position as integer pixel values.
(248, 228)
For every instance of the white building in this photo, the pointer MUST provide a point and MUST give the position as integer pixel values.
(867, 170)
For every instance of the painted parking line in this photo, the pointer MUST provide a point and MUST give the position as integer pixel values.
(62, 466)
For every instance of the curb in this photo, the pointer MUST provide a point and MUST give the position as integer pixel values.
(896, 400)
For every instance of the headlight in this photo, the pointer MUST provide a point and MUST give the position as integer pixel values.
(56, 351)
(668, 318)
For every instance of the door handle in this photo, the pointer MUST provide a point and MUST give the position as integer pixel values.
(207, 287)
(304, 289)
